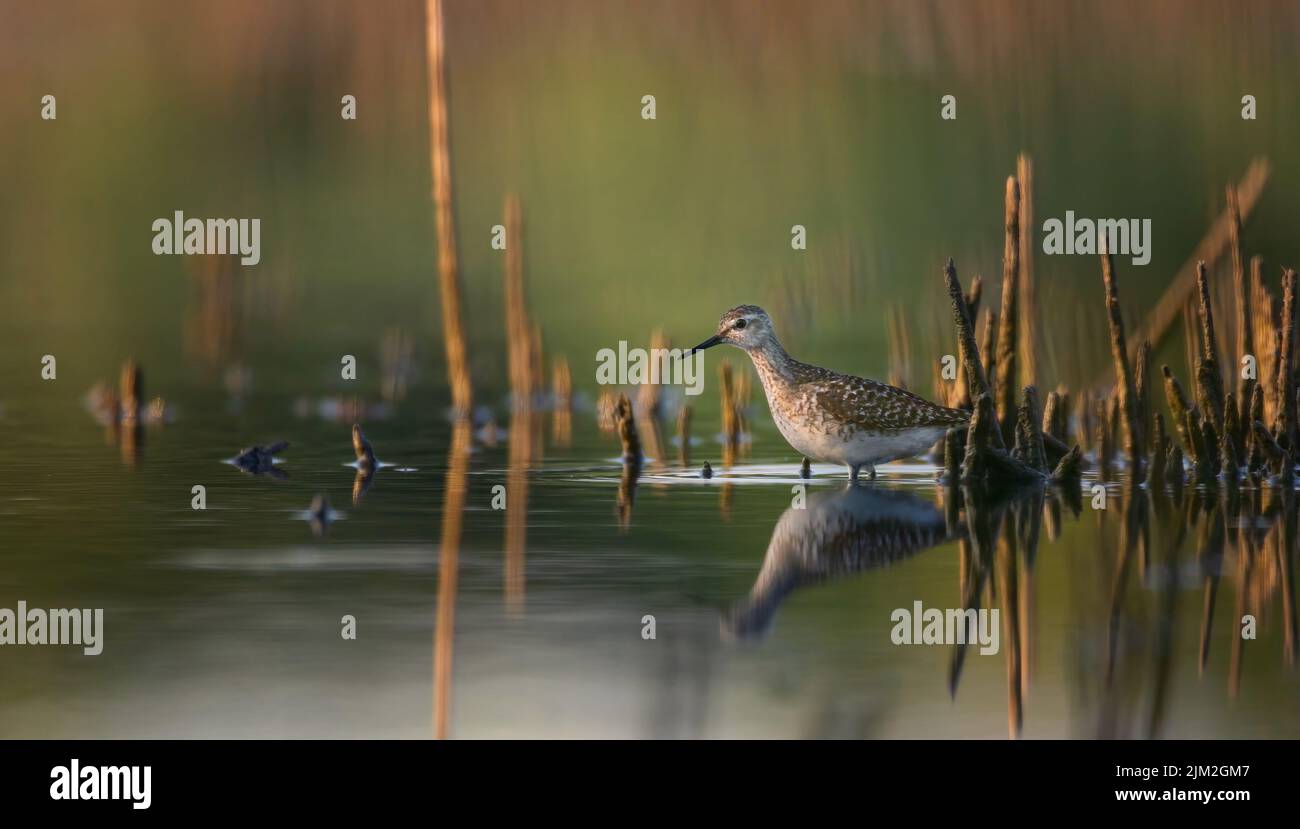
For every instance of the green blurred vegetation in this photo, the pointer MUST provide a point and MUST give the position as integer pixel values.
(769, 115)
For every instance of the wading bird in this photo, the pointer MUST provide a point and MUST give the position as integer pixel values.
(833, 417)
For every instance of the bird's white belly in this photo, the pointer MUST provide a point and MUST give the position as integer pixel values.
(828, 444)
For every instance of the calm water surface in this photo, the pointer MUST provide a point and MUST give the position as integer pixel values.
(770, 621)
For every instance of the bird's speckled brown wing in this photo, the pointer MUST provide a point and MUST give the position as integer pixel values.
(876, 406)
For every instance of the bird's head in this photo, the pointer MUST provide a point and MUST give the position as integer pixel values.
(745, 326)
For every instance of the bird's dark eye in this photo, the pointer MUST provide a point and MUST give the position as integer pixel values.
(740, 323)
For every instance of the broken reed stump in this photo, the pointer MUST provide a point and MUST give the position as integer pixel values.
(1179, 408)
(1159, 453)
(1205, 313)
(1124, 385)
(1028, 448)
(1209, 398)
(1255, 458)
(1232, 427)
(1056, 425)
(1174, 471)
(1209, 377)
(1053, 448)
(977, 383)
(989, 348)
(978, 436)
(1070, 467)
(453, 329)
(1229, 469)
(953, 447)
(1281, 461)
(985, 462)
(975, 377)
(1056, 414)
(1005, 387)
(1208, 460)
(1194, 447)
(1142, 387)
(972, 299)
(627, 435)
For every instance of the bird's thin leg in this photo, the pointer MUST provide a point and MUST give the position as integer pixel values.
(871, 471)
(853, 472)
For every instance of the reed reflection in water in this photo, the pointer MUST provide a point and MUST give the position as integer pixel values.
(1169, 542)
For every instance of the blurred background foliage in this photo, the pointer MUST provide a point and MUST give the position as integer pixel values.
(769, 115)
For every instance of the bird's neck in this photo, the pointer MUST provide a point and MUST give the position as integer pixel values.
(772, 363)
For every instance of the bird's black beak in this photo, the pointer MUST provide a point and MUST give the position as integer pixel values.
(709, 343)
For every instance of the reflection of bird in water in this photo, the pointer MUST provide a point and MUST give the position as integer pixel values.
(366, 464)
(321, 514)
(361, 483)
(361, 447)
(835, 535)
(260, 460)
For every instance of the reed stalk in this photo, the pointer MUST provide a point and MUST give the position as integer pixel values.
(561, 402)
(972, 298)
(1209, 378)
(989, 348)
(1179, 408)
(1127, 394)
(1245, 342)
(458, 371)
(1005, 389)
(1159, 453)
(1284, 382)
(627, 432)
(1264, 333)
(1055, 414)
(684, 435)
(519, 334)
(1142, 386)
(130, 387)
(976, 382)
(730, 418)
(1029, 437)
(1028, 324)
